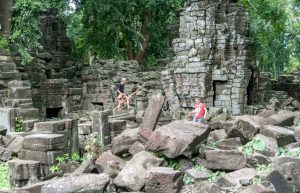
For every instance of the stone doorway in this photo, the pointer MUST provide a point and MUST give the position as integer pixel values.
(250, 90)
(55, 112)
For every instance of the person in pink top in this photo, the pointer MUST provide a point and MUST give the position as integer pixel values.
(199, 112)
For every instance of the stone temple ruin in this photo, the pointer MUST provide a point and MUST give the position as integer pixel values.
(53, 105)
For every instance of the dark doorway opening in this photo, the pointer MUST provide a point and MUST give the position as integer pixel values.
(99, 106)
(214, 89)
(250, 90)
(55, 112)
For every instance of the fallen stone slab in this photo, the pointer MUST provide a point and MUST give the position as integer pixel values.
(286, 178)
(24, 169)
(178, 138)
(69, 167)
(116, 127)
(85, 167)
(228, 160)
(282, 118)
(282, 135)
(230, 143)
(271, 146)
(216, 135)
(16, 144)
(133, 176)
(137, 147)
(266, 113)
(85, 183)
(197, 175)
(106, 159)
(51, 126)
(207, 187)
(257, 188)
(100, 124)
(244, 127)
(122, 143)
(48, 158)
(233, 179)
(151, 116)
(163, 180)
(6, 154)
(279, 161)
(44, 142)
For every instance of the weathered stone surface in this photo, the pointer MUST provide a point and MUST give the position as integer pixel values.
(266, 113)
(122, 143)
(85, 183)
(271, 146)
(47, 158)
(197, 175)
(50, 126)
(100, 124)
(85, 167)
(24, 169)
(283, 118)
(178, 138)
(282, 135)
(279, 161)
(163, 180)
(207, 187)
(231, 143)
(216, 135)
(69, 167)
(225, 159)
(257, 189)
(16, 144)
(233, 178)
(5, 154)
(137, 147)
(151, 116)
(43, 142)
(132, 176)
(286, 178)
(244, 127)
(116, 127)
(104, 158)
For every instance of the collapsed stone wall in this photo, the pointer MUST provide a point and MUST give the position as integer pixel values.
(214, 58)
(100, 80)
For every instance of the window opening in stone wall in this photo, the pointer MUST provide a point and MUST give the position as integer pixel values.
(54, 112)
(99, 106)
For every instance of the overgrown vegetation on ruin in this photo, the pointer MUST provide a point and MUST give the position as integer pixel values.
(139, 29)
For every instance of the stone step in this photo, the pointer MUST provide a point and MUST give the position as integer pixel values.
(19, 93)
(12, 75)
(43, 142)
(7, 66)
(26, 105)
(28, 114)
(24, 169)
(48, 158)
(15, 103)
(28, 125)
(53, 126)
(18, 83)
(5, 58)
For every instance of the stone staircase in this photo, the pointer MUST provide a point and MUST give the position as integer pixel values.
(41, 147)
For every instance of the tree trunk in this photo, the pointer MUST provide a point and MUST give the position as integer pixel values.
(130, 54)
(5, 16)
(144, 41)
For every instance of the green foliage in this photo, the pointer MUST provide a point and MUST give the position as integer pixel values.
(257, 180)
(19, 122)
(291, 153)
(93, 146)
(75, 157)
(54, 168)
(214, 176)
(264, 168)
(63, 159)
(213, 144)
(3, 42)
(173, 163)
(199, 168)
(4, 176)
(26, 32)
(117, 29)
(274, 25)
(256, 144)
(188, 180)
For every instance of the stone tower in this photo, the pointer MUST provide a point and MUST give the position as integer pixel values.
(214, 58)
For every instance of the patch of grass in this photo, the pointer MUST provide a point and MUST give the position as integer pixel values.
(264, 168)
(4, 176)
(214, 176)
(255, 145)
(188, 180)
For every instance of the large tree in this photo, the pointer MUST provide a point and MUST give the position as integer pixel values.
(131, 29)
(5, 15)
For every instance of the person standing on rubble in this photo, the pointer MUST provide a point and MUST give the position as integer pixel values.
(199, 112)
(122, 98)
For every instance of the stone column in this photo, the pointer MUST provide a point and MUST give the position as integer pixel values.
(100, 124)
